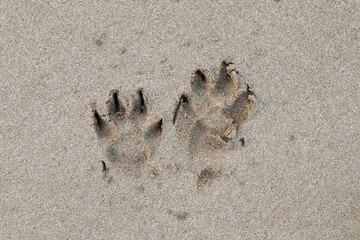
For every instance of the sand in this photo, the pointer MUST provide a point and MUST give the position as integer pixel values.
(284, 167)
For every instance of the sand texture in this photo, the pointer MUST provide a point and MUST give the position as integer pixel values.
(179, 119)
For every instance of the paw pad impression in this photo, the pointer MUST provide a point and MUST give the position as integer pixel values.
(127, 134)
(213, 110)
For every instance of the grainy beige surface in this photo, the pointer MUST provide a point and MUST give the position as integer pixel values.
(297, 177)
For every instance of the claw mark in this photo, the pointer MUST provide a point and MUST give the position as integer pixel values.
(115, 106)
(176, 111)
(249, 91)
(199, 82)
(142, 101)
(98, 121)
(227, 63)
(183, 100)
(242, 140)
(201, 75)
(116, 102)
(156, 129)
(225, 138)
(104, 169)
(159, 126)
(140, 106)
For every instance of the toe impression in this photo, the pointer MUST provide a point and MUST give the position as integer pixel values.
(101, 125)
(140, 106)
(115, 106)
(226, 81)
(239, 111)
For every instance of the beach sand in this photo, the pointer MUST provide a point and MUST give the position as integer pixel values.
(284, 167)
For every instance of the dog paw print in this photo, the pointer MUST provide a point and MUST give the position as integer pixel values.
(211, 112)
(126, 132)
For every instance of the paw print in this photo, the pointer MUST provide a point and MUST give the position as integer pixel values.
(210, 114)
(126, 133)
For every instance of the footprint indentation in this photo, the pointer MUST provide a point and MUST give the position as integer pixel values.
(129, 138)
(211, 115)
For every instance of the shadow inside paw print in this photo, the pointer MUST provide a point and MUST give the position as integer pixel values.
(210, 114)
(128, 137)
